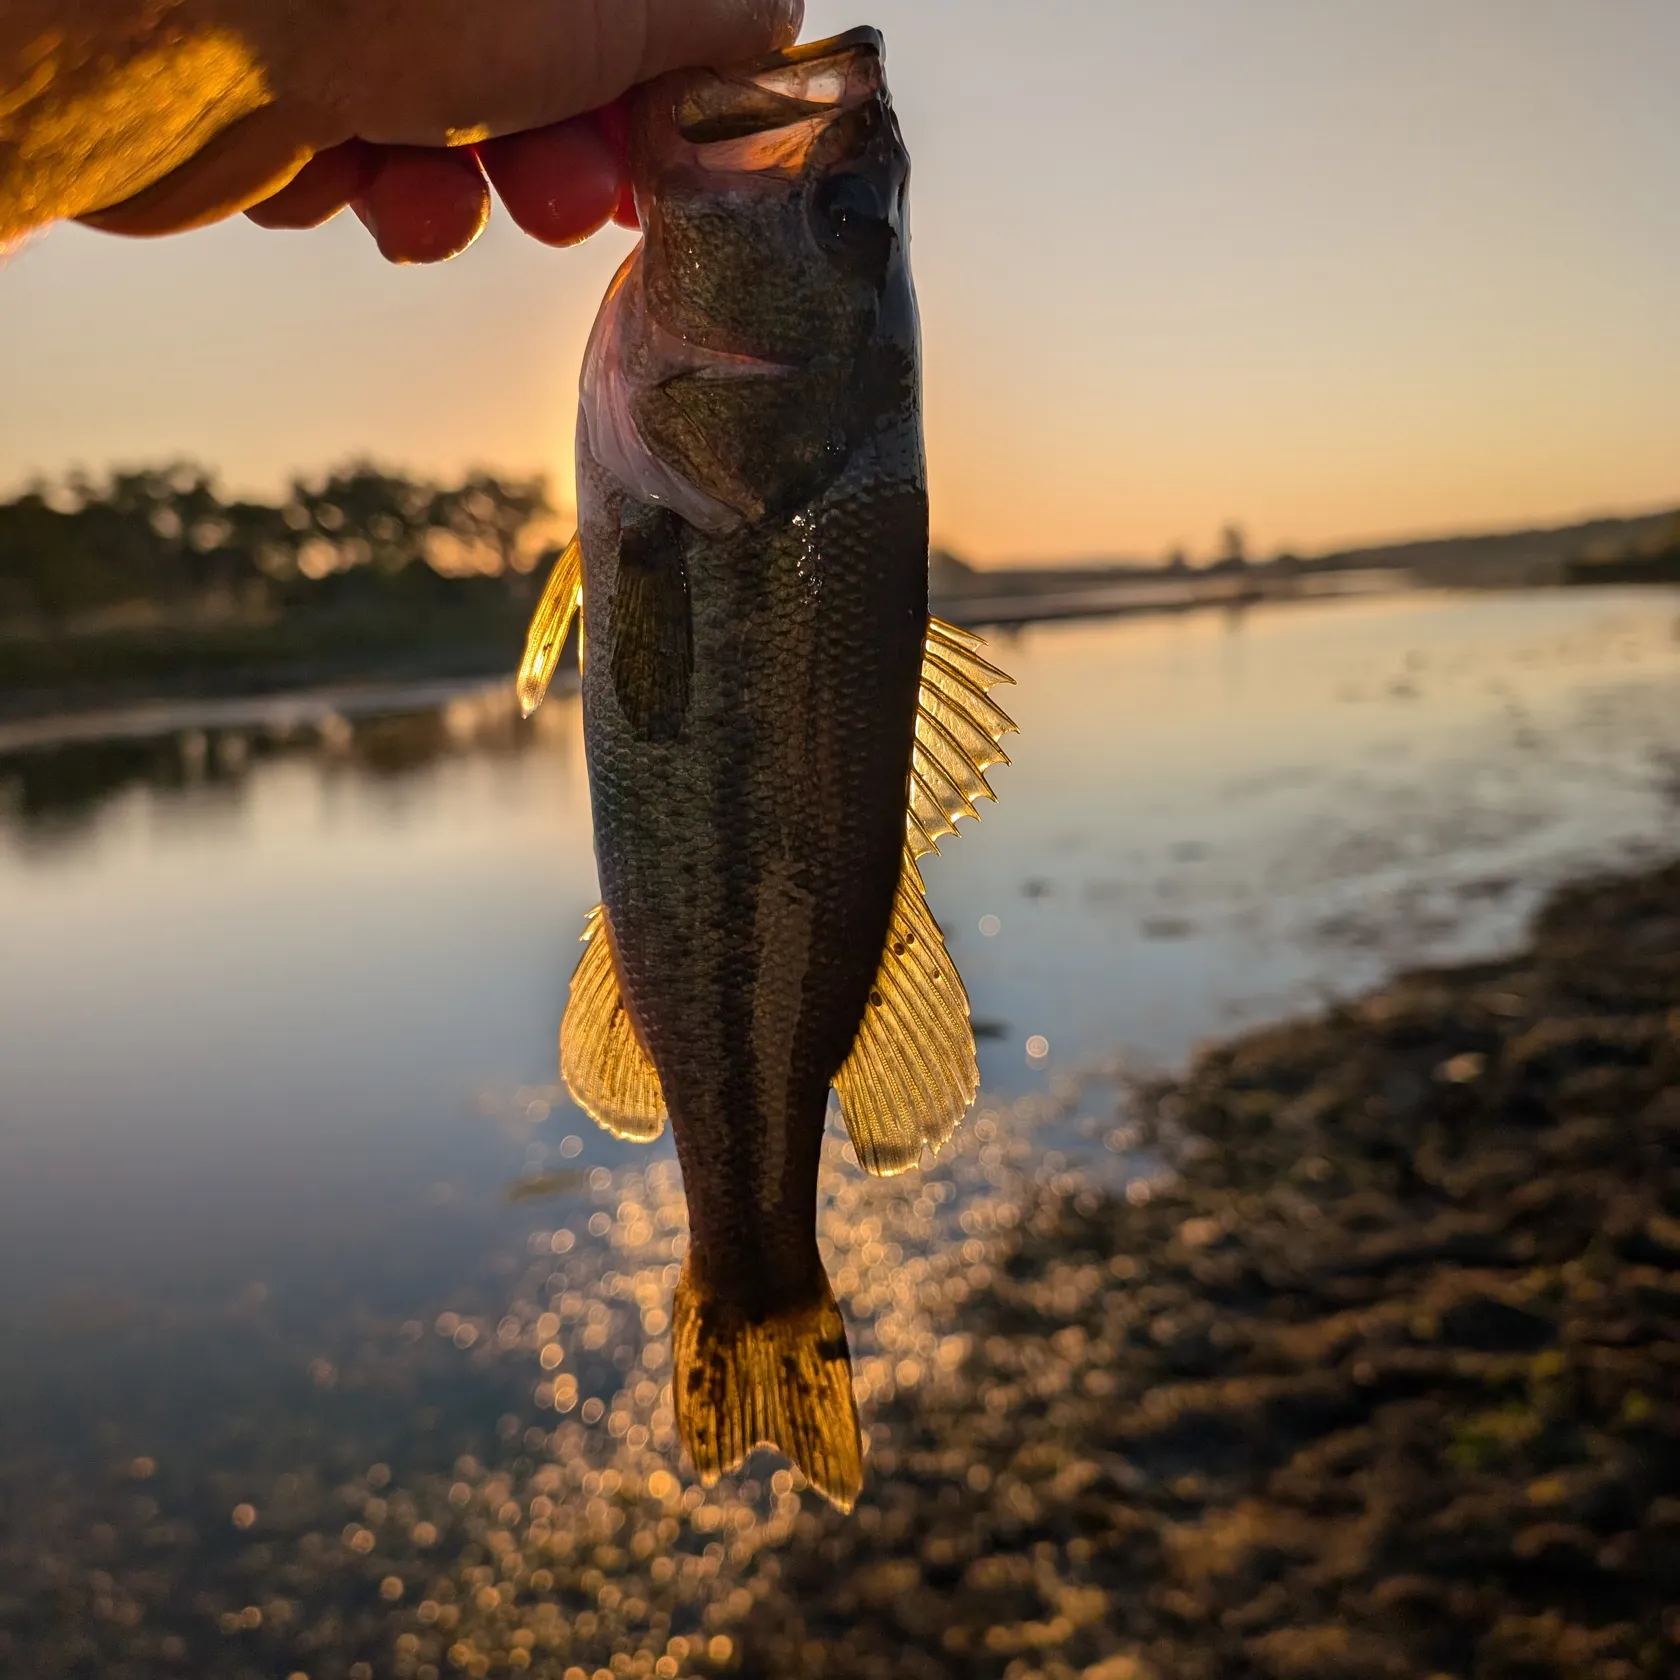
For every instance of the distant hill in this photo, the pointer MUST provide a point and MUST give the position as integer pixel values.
(1506, 559)
(951, 578)
(1532, 558)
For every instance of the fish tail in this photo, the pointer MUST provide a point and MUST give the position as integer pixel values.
(782, 1381)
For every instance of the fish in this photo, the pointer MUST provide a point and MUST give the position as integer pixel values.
(776, 730)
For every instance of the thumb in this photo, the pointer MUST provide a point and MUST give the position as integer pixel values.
(406, 72)
(442, 73)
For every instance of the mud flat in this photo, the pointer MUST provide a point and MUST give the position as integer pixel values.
(1386, 1382)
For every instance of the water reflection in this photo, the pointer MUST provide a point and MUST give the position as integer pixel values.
(57, 775)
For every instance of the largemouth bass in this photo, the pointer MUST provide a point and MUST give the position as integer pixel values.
(775, 729)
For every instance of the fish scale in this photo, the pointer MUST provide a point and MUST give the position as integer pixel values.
(742, 822)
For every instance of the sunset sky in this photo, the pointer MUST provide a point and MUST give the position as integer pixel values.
(1333, 269)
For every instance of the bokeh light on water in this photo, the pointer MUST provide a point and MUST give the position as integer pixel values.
(332, 1334)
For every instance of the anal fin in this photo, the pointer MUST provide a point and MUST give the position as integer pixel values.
(610, 1076)
(911, 1074)
(783, 1381)
(561, 597)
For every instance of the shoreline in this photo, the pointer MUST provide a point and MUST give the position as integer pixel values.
(239, 667)
(231, 664)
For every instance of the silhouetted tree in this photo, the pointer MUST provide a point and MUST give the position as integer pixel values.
(1233, 550)
(164, 537)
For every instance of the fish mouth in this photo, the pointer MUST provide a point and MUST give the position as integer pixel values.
(822, 78)
(768, 115)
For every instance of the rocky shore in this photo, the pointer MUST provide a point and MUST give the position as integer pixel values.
(1386, 1383)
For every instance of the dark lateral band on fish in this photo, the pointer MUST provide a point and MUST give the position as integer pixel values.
(775, 728)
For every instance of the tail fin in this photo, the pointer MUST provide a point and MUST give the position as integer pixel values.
(785, 1382)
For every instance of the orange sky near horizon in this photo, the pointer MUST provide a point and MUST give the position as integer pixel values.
(1331, 269)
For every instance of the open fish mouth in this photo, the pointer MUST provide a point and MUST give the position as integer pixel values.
(840, 71)
(768, 115)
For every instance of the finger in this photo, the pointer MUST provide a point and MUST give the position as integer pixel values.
(321, 188)
(425, 204)
(614, 119)
(250, 160)
(559, 183)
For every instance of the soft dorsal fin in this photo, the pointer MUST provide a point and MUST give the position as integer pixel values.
(611, 1077)
(561, 597)
(912, 1074)
(958, 731)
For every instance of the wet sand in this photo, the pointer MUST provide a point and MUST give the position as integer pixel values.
(1354, 1352)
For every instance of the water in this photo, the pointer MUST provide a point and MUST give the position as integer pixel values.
(281, 982)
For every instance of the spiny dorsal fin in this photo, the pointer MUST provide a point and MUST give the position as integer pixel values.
(561, 597)
(911, 1074)
(958, 731)
(609, 1074)
(782, 1381)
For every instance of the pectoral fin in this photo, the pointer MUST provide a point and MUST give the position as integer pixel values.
(611, 1077)
(651, 634)
(958, 735)
(911, 1074)
(544, 641)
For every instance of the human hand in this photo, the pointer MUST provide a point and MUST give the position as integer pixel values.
(408, 110)
(560, 183)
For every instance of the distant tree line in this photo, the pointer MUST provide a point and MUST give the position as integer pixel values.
(1651, 557)
(164, 539)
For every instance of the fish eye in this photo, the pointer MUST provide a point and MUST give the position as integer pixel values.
(853, 218)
